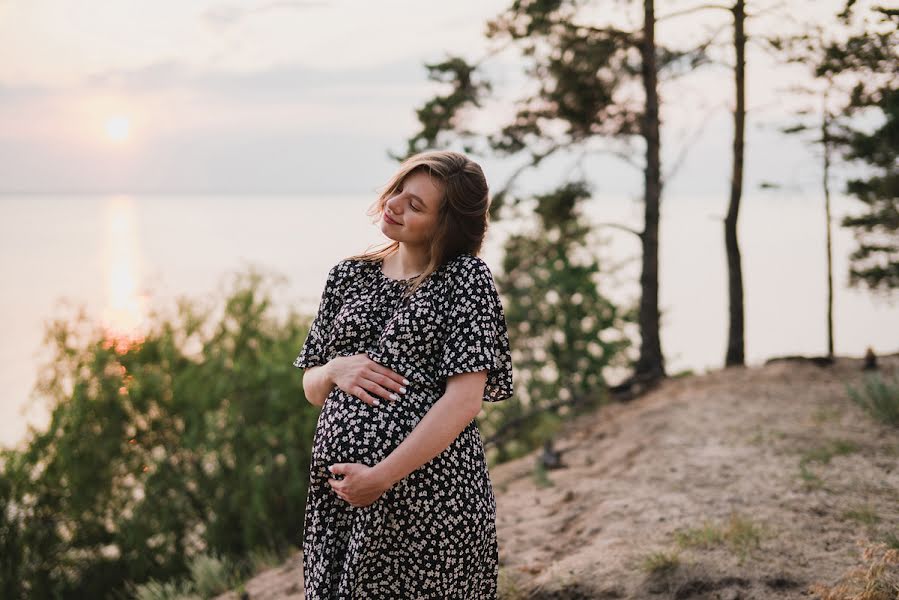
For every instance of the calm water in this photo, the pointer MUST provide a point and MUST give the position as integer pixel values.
(119, 255)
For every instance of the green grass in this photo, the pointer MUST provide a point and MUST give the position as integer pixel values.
(212, 575)
(508, 587)
(823, 455)
(810, 480)
(262, 559)
(209, 576)
(824, 414)
(863, 514)
(660, 562)
(541, 476)
(878, 396)
(891, 539)
(740, 534)
(165, 590)
(704, 536)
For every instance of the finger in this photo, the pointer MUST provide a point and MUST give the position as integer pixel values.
(389, 373)
(387, 383)
(379, 391)
(360, 393)
(341, 495)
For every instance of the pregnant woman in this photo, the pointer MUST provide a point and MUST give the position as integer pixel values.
(407, 343)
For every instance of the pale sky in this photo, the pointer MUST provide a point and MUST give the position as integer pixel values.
(307, 97)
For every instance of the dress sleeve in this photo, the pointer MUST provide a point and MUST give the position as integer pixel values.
(477, 336)
(315, 350)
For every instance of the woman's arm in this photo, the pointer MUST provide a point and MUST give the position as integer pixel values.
(444, 421)
(318, 382)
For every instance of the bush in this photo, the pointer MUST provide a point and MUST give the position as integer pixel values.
(879, 396)
(191, 440)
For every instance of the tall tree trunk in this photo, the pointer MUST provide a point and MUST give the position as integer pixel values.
(825, 142)
(651, 364)
(735, 339)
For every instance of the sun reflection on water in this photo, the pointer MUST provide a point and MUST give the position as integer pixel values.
(125, 312)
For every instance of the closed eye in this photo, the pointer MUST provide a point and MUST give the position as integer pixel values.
(399, 191)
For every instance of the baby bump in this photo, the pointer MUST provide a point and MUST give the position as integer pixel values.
(350, 430)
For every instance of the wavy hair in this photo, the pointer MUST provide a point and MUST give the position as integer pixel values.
(462, 216)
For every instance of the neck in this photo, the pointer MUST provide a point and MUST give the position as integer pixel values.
(409, 261)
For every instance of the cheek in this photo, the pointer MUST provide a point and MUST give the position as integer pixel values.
(422, 223)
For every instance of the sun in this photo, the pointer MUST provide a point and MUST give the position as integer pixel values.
(118, 128)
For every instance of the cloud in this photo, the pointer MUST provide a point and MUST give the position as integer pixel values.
(234, 161)
(229, 15)
(291, 79)
(11, 94)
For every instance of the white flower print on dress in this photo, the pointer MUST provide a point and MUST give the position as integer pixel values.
(433, 534)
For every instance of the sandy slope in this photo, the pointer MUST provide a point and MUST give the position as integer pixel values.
(696, 451)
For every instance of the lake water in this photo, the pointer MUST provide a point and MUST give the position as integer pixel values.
(118, 255)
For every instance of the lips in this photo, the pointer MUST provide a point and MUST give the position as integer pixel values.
(389, 220)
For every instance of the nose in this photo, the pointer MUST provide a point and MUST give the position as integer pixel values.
(390, 204)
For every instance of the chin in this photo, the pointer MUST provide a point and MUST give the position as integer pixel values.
(385, 228)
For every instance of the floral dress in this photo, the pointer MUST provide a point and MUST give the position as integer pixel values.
(432, 535)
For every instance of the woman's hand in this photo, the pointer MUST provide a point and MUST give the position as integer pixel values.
(361, 485)
(358, 375)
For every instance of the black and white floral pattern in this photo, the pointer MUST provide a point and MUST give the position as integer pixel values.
(433, 534)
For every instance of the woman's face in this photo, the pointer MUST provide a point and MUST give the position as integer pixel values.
(410, 215)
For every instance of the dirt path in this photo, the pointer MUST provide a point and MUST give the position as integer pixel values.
(738, 484)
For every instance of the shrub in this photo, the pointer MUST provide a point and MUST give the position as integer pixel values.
(879, 396)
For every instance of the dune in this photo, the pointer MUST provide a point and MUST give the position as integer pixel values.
(736, 484)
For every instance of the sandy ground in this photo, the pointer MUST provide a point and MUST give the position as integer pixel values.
(777, 456)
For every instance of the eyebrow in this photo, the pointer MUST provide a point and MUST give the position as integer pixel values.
(416, 197)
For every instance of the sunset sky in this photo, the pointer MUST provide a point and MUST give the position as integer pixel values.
(285, 97)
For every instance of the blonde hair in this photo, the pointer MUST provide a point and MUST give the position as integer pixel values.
(463, 212)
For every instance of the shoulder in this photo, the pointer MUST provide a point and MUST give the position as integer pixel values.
(351, 266)
(344, 270)
(468, 264)
(469, 274)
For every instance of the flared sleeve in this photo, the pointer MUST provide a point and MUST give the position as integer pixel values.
(316, 349)
(477, 335)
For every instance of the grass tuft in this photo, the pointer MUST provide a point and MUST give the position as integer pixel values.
(740, 534)
(877, 578)
(878, 396)
(661, 562)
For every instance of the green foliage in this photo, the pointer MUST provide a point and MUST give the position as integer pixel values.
(870, 55)
(209, 576)
(440, 114)
(564, 332)
(878, 396)
(891, 540)
(541, 476)
(739, 533)
(261, 559)
(808, 477)
(660, 562)
(193, 439)
(823, 454)
(581, 67)
(854, 60)
(166, 590)
(508, 585)
(212, 575)
(864, 514)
